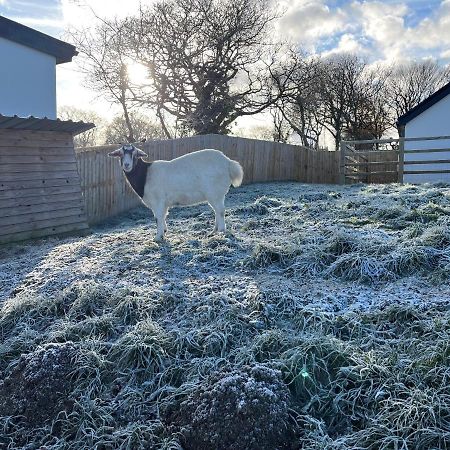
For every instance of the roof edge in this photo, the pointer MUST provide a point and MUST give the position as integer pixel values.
(29, 37)
(424, 105)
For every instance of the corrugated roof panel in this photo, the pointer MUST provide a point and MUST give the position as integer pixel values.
(45, 124)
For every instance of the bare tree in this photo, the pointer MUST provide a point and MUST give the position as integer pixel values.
(142, 127)
(298, 83)
(367, 113)
(352, 104)
(282, 130)
(413, 82)
(337, 76)
(207, 60)
(105, 63)
(88, 138)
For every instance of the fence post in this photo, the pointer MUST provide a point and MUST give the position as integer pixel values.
(401, 159)
(342, 162)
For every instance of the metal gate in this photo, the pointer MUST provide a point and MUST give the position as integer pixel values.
(388, 160)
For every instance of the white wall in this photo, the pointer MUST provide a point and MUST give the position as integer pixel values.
(27, 81)
(435, 121)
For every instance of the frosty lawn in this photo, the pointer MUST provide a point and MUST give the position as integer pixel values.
(320, 321)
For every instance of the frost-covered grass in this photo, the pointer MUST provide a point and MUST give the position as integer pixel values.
(329, 306)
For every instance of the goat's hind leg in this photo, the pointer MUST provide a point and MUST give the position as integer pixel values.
(219, 210)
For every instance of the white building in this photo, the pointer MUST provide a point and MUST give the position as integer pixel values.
(28, 61)
(429, 118)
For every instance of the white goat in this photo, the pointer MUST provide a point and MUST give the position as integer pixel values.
(202, 176)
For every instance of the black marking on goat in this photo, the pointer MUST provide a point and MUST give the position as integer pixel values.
(138, 176)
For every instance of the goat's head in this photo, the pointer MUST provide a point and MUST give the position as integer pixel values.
(129, 155)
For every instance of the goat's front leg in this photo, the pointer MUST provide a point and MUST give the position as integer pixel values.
(161, 226)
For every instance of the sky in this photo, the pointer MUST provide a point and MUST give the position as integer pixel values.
(378, 30)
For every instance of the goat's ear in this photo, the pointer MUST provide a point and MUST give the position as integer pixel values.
(116, 153)
(141, 154)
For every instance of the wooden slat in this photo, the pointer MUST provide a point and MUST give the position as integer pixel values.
(26, 167)
(23, 204)
(39, 176)
(38, 183)
(381, 172)
(30, 137)
(37, 150)
(35, 213)
(342, 148)
(17, 143)
(75, 227)
(35, 158)
(32, 193)
(63, 217)
(371, 163)
(363, 153)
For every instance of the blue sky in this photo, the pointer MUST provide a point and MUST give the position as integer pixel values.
(379, 30)
(45, 15)
(319, 25)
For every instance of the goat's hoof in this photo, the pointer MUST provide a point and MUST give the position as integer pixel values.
(159, 238)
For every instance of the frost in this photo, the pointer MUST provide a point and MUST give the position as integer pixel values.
(320, 320)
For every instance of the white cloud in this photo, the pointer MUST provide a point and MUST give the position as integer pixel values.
(348, 43)
(383, 24)
(307, 21)
(434, 32)
(35, 22)
(83, 13)
(445, 54)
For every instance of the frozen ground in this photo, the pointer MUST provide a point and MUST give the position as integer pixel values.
(304, 272)
(330, 247)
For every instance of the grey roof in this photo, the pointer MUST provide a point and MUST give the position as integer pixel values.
(16, 32)
(36, 124)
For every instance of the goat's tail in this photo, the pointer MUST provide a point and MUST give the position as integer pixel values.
(236, 173)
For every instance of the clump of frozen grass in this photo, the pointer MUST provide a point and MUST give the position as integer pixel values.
(260, 206)
(146, 346)
(368, 256)
(266, 254)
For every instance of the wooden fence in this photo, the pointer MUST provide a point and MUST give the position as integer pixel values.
(107, 193)
(387, 160)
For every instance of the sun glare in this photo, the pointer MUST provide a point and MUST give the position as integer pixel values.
(137, 72)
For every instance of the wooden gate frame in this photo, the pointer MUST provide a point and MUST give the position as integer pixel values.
(348, 152)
